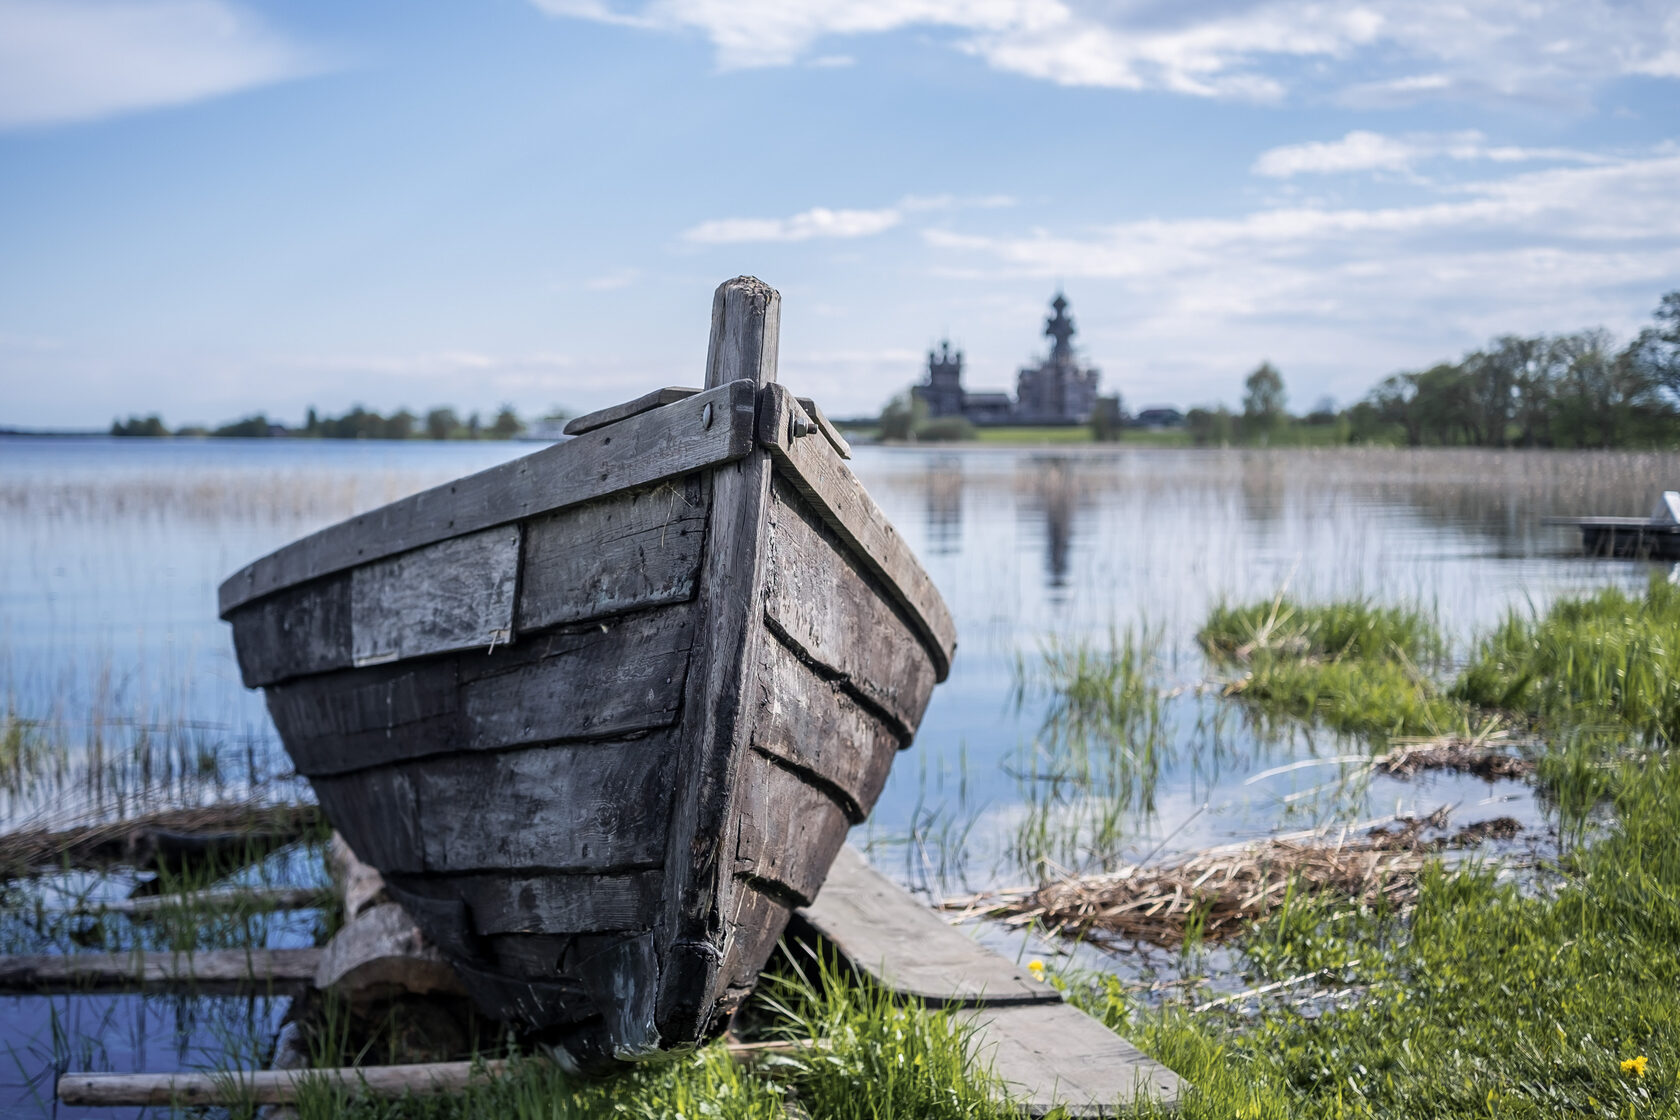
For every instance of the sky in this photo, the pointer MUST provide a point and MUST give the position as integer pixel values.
(210, 208)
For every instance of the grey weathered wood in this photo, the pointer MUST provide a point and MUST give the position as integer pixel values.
(453, 595)
(722, 696)
(208, 971)
(829, 431)
(301, 630)
(612, 414)
(359, 885)
(714, 427)
(379, 952)
(622, 553)
(269, 1086)
(787, 830)
(835, 616)
(905, 947)
(1054, 1056)
(548, 903)
(812, 724)
(582, 808)
(227, 898)
(824, 480)
(599, 681)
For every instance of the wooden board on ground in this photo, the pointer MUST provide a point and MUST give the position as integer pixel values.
(1053, 1055)
(1049, 1054)
(904, 946)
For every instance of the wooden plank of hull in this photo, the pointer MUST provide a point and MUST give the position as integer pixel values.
(823, 479)
(813, 725)
(787, 830)
(598, 681)
(612, 414)
(835, 616)
(304, 630)
(584, 807)
(453, 595)
(713, 427)
(632, 551)
(546, 903)
(722, 694)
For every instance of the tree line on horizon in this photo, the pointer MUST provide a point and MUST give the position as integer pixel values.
(358, 423)
(1576, 390)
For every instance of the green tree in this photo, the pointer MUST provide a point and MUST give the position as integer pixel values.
(1209, 426)
(507, 423)
(903, 417)
(1263, 400)
(150, 427)
(251, 427)
(442, 423)
(1108, 419)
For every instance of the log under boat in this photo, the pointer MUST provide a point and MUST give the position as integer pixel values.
(603, 715)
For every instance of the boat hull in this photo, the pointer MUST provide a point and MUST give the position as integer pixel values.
(600, 749)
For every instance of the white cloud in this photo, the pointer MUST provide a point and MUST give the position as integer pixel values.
(1360, 150)
(74, 60)
(822, 222)
(614, 280)
(819, 221)
(1245, 49)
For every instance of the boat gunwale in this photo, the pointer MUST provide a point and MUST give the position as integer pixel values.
(562, 475)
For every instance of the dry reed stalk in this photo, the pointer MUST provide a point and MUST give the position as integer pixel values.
(1462, 756)
(1222, 891)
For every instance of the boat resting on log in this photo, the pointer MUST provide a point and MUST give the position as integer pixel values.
(601, 716)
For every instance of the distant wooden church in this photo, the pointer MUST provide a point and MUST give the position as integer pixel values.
(1056, 391)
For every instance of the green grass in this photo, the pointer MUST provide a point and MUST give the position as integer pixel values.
(1077, 433)
(1354, 667)
(1487, 1001)
(1610, 659)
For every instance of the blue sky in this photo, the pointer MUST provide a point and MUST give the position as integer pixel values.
(210, 207)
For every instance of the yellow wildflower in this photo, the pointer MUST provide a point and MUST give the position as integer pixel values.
(1635, 1066)
(1036, 967)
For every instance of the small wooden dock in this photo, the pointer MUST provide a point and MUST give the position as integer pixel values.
(1656, 537)
(1048, 1053)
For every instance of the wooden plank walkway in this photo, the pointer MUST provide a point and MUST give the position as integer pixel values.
(1049, 1053)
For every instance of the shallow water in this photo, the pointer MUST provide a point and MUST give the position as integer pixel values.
(110, 553)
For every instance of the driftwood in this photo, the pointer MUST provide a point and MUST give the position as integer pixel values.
(227, 898)
(209, 972)
(170, 837)
(281, 1086)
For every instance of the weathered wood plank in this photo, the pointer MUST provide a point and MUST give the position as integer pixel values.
(598, 681)
(713, 427)
(829, 431)
(585, 807)
(623, 553)
(270, 1086)
(299, 631)
(379, 951)
(904, 946)
(813, 725)
(548, 903)
(787, 830)
(453, 595)
(251, 899)
(838, 618)
(612, 414)
(1054, 1056)
(823, 479)
(282, 971)
(722, 697)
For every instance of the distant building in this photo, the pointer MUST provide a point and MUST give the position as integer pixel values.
(1161, 416)
(1056, 391)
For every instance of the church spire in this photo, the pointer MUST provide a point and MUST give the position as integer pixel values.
(1060, 328)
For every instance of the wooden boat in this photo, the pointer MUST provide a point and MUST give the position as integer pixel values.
(603, 715)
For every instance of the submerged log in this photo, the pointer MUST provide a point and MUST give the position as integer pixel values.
(208, 972)
(168, 838)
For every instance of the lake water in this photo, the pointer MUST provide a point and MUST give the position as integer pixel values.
(111, 551)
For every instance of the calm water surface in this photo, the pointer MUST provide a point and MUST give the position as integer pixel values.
(111, 551)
